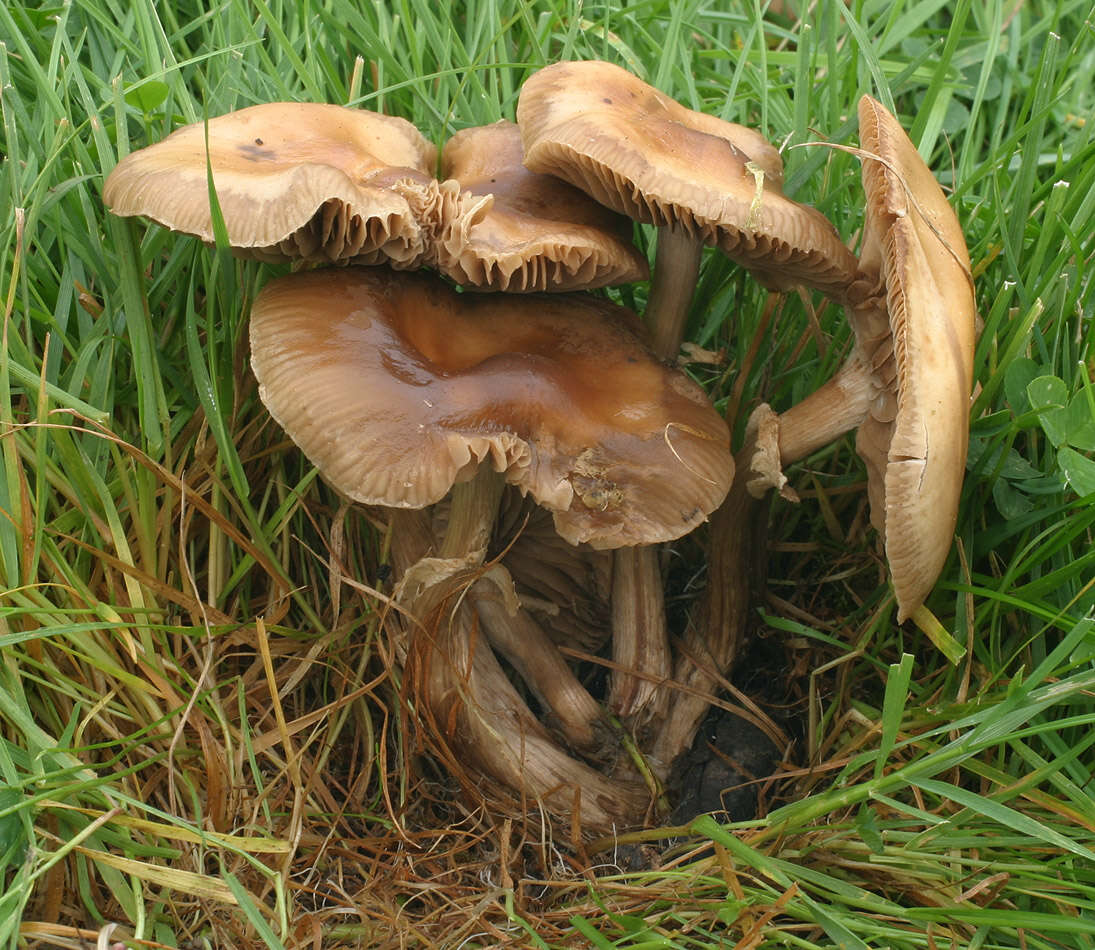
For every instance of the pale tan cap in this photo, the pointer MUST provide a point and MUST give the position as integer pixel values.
(916, 454)
(294, 180)
(540, 233)
(643, 154)
(395, 386)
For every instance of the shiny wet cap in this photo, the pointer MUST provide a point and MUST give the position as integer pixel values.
(395, 387)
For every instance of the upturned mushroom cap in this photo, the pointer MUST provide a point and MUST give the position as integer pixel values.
(396, 387)
(916, 456)
(645, 155)
(540, 233)
(293, 180)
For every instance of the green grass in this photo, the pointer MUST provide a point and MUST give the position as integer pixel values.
(170, 621)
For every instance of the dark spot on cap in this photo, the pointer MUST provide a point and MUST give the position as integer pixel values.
(258, 141)
(256, 154)
(606, 101)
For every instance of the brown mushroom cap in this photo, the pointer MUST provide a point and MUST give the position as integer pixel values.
(396, 387)
(293, 180)
(906, 385)
(541, 233)
(645, 155)
(917, 458)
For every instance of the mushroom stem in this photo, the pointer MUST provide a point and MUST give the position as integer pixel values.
(482, 723)
(676, 267)
(472, 513)
(826, 414)
(640, 637)
(521, 640)
(714, 631)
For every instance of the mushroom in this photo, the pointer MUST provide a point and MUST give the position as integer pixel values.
(906, 386)
(297, 180)
(540, 233)
(700, 179)
(396, 388)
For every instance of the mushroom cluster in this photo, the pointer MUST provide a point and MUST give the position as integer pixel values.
(533, 445)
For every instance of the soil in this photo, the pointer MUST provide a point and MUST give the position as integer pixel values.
(733, 764)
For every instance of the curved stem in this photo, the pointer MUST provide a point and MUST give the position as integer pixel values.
(521, 640)
(826, 414)
(488, 736)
